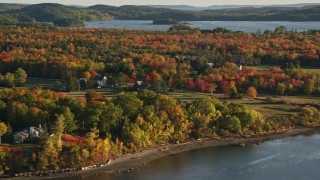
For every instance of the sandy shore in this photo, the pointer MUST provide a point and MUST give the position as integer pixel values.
(138, 160)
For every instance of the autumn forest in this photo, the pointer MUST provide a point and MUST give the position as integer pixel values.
(81, 131)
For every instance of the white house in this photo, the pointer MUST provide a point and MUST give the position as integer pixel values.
(240, 68)
(20, 136)
(101, 81)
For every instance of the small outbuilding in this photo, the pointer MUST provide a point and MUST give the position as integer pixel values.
(210, 65)
(140, 85)
(240, 68)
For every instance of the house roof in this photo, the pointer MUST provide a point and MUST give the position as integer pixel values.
(21, 134)
(28, 129)
(139, 82)
(38, 129)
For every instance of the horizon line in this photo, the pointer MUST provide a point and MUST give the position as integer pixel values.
(165, 4)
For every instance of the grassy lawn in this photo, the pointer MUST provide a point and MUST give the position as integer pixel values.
(300, 100)
(267, 67)
(265, 108)
(187, 96)
(19, 145)
(107, 92)
(261, 67)
(311, 69)
(42, 83)
(50, 83)
(257, 104)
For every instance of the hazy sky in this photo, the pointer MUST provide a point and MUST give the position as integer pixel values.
(163, 2)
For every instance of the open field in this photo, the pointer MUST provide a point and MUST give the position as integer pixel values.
(42, 83)
(267, 109)
(19, 145)
(187, 96)
(267, 67)
(107, 92)
(311, 69)
(257, 104)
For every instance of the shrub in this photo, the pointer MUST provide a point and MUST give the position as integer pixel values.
(272, 100)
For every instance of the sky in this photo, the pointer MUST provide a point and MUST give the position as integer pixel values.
(163, 2)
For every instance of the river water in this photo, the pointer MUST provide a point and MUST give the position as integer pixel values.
(291, 158)
(246, 26)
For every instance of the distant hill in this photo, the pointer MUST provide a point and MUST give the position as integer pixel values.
(218, 7)
(179, 7)
(194, 8)
(102, 7)
(14, 19)
(296, 5)
(9, 7)
(130, 12)
(309, 13)
(50, 12)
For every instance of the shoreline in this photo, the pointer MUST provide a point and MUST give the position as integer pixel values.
(137, 160)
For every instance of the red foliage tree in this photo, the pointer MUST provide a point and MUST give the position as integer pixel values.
(191, 84)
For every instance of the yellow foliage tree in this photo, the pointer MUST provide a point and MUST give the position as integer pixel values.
(3, 129)
(98, 148)
(3, 166)
(252, 92)
(50, 156)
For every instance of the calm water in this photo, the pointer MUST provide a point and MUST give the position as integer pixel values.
(246, 26)
(293, 158)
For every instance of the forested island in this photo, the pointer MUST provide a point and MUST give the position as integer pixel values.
(50, 12)
(90, 95)
(67, 22)
(165, 21)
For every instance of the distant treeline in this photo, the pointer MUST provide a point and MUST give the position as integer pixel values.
(50, 12)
